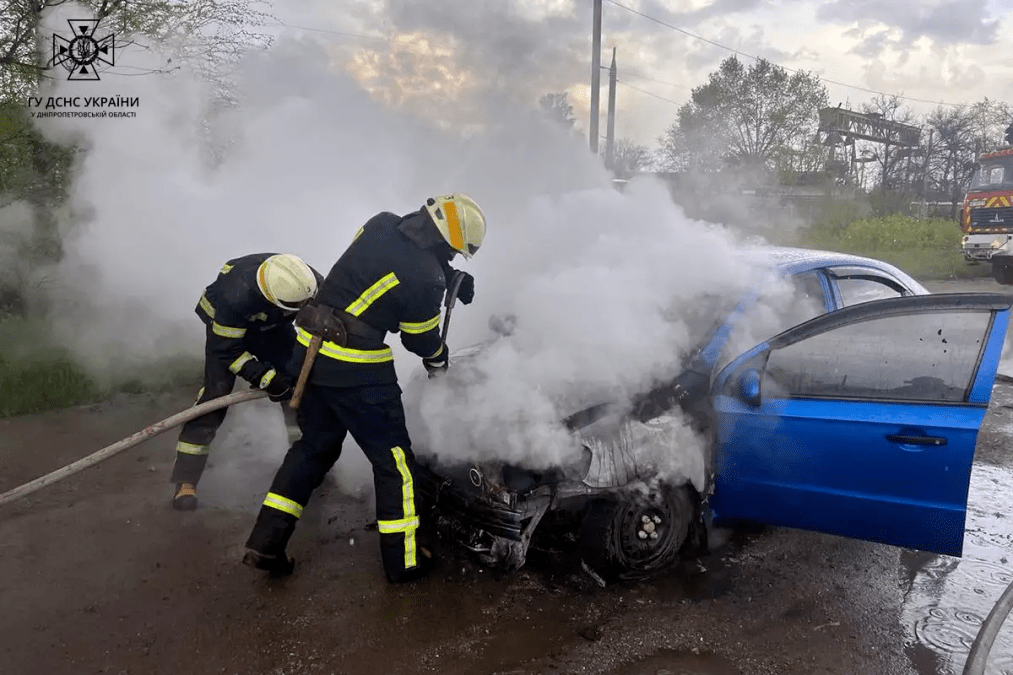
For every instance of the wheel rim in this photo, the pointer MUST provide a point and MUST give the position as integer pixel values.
(647, 533)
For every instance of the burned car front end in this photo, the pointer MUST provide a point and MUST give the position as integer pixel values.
(625, 505)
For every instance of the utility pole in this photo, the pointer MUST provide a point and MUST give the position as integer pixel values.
(925, 175)
(610, 127)
(595, 76)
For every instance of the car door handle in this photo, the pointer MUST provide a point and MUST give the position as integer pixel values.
(916, 440)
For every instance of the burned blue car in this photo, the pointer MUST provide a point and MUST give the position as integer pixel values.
(852, 409)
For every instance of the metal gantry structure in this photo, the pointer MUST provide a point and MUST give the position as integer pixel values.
(869, 127)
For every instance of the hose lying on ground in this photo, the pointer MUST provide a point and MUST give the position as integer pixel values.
(140, 436)
(977, 659)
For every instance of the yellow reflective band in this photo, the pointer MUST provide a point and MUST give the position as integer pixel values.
(225, 269)
(199, 394)
(283, 504)
(191, 448)
(395, 526)
(268, 376)
(206, 305)
(186, 490)
(359, 233)
(238, 364)
(371, 294)
(227, 331)
(436, 353)
(410, 521)
(259, 317)
(339, 353)
(454, 227)
(421, 327)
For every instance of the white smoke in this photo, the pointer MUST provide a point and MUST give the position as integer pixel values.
(596, 278)
(593, 277)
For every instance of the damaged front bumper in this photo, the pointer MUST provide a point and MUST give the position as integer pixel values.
(495, 524)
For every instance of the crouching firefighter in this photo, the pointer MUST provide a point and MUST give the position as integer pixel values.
(392, 278)
(248, 311)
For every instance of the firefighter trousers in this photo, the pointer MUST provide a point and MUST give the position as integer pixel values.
(374, 416)
(273, 346)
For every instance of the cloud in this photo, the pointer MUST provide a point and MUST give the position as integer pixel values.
(944, 21)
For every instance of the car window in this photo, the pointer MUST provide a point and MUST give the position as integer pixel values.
(856, 290)
(927, 357)
(776, 310)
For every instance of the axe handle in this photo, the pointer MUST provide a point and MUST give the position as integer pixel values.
(304, 374)
(449, 303)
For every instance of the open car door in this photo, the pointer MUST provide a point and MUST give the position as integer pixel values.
(861, 422)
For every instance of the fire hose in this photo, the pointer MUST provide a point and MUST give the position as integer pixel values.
(977, 659)
(126, 443)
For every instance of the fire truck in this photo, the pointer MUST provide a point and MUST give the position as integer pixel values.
(986, 217)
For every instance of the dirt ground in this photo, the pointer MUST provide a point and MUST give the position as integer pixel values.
(100, 575)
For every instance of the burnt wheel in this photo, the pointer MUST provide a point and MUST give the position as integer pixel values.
(636, 535)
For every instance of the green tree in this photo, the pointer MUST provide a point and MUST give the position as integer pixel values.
(759, 117)
(208, 35)
(557, 108)
(629, 158)
(960, 134)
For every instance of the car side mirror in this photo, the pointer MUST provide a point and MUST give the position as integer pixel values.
(749, 387)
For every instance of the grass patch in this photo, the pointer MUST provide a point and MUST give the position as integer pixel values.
(37, 385)
(35, 377)
(925, 249)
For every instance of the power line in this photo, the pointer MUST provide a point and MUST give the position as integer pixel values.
(756, 58)
(667, 84)
(644, 91)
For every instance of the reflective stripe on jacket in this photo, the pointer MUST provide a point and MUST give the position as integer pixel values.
(393, 285)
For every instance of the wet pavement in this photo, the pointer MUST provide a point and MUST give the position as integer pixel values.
(946, 599)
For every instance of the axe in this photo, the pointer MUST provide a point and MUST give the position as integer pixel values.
(449, 303)
(323, 324)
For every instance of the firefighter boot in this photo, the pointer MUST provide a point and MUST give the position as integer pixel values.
(277, 566)
(421, 570)
(185, 498)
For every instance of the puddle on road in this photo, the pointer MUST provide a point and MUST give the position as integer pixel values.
(670, 662)
(948, 598)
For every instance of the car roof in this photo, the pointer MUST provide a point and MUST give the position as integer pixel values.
(791, 260)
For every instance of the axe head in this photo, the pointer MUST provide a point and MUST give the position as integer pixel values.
(322, 321)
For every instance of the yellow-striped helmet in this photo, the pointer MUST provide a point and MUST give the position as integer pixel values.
(460, 221)
(286, 281)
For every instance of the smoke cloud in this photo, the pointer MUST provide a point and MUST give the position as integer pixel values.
(597, 279)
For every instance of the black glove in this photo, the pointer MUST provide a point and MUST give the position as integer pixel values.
(438, 364)
(279, 389)
(466, 291)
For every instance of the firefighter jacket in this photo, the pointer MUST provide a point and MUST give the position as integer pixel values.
(390, 280)
(231, 307)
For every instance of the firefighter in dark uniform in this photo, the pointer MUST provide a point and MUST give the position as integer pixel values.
(392, 278)
(248, 311)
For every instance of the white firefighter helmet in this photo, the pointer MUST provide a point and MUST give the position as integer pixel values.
(286, 281)
(460, 220)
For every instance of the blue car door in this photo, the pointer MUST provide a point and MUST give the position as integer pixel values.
(861, 422)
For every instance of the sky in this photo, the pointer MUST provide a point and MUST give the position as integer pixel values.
(950, 51)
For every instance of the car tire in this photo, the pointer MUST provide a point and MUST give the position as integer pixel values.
(610, 541)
